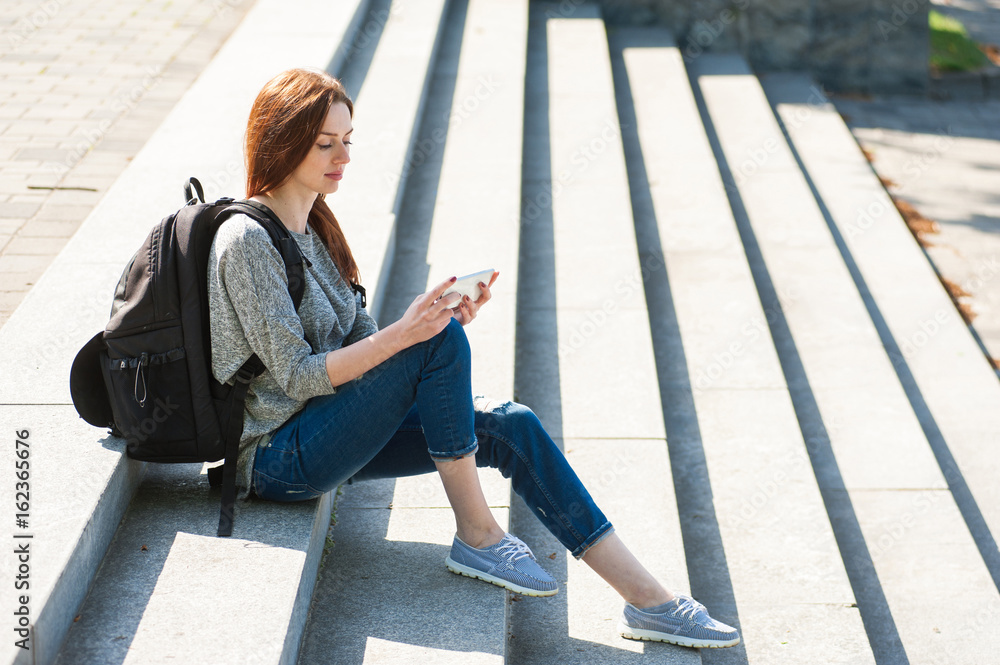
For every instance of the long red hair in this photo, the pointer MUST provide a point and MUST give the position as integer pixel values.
(285, 120)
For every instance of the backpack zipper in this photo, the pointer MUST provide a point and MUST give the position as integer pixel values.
(143, 361)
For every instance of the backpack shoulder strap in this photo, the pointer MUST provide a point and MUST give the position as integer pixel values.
(295, 262)
(225, 475)
(264, 210)
(253, 367)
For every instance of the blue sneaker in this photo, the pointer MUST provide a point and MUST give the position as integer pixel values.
(682, 621)
(509, 564)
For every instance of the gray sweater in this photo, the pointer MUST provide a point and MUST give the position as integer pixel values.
(251, 312)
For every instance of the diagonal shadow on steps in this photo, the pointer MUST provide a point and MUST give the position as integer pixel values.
(147, 575)
(538, 627)
(376, 591)
(410, 271)
(540, 632)
(708, 569)
(875, 613)
(360, 49)
(967, 505)
(392, 601)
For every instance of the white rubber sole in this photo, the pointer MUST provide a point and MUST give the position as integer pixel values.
(460, 569)
(656, 636)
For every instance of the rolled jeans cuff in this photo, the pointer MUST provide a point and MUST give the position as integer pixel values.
(452, 455)
(600, 534)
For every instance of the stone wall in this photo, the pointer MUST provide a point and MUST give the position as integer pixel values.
(848, 45)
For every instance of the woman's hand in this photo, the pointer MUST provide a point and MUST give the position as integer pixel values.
(427, 315)
(467, 309)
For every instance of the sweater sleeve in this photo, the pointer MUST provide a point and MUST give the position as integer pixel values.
(253, 275)
(364, 324)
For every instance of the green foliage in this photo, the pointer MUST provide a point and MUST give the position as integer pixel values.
(951, 48)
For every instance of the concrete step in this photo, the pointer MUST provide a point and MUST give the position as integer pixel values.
(898, 526)
(585, 356)
(727, 401)
(948, 381)
(169, 590)
(388, 77)
(459, 214)
(82, 481)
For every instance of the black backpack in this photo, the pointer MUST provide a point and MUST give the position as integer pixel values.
(148, 375)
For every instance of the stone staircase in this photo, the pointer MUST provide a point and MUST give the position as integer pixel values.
(706, 295)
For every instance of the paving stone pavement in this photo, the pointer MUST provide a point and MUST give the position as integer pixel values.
(83, 84)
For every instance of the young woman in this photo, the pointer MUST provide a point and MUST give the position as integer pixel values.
(342, 399)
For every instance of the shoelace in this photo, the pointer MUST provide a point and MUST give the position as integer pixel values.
(513, 549)
(688, 607)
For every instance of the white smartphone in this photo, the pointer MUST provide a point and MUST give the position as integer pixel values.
(469, 285)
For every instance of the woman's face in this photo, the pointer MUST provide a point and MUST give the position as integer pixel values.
(323, 168)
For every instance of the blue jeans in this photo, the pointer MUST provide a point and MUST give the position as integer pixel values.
(411, 410)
